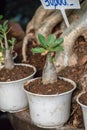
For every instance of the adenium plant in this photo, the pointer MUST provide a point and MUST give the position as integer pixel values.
(6, 45)
(48, 46)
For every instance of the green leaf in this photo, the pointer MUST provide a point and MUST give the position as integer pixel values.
(12, 40)
(59, 41)
(56, 49)
(1, 16)
(1, 36)
(5, 23)
(42, 40)
(1, 29)
(1, 48)
(38, 50)
(5, 26)
(51, 39)
(0, 26)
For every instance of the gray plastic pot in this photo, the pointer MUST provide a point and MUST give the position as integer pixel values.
(12, 95)
(50, 111)
(84, 110)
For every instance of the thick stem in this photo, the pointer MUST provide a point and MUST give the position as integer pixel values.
(49, 74)
(8, 59)
(5, 40)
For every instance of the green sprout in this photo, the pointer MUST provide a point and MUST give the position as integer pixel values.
(6, 45)
(48, 46)
(51, 44)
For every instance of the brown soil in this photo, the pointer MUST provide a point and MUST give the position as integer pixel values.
(58, 87)
(18, 72)
(83, 99)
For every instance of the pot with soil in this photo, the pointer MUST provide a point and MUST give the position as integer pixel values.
(49, 97)
(82, 101)
(12, 76)
(49, 110)
(12, 96)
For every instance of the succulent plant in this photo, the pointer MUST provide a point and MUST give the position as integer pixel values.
(48, 46)
(6, 45)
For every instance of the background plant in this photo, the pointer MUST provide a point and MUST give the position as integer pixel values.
(48, 46)
(6, 45)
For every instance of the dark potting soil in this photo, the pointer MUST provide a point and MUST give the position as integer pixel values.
(18, 72)
(83, 99)
(58, 87)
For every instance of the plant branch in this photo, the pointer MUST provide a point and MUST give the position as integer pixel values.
(5, 40)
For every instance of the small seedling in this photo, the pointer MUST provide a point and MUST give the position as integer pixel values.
(6, 45)
(48, 46)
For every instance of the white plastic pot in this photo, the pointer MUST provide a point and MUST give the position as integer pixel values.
(12, 95)
(84, 110)
(50, 111)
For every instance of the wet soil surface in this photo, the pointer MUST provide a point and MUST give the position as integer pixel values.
(58, 87)
(18, 72)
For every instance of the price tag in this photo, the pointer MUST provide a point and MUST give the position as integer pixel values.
(61, 5)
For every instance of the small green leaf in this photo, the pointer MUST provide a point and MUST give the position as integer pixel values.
(59, 41)
(5, 26)
(1, 16)
(1, 36)
(38, 50)
(1, 29)
(56, 49)
(51, 39)
(12, 40)
(42, 40)
(5, 23)
(1, 48)
(0, 26)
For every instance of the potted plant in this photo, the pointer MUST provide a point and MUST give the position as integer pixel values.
(82, 99)
(49, 96)
(12, 76)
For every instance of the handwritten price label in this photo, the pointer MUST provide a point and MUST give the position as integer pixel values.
(60, 4)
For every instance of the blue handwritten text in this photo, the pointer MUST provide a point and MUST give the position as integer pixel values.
(56, 3)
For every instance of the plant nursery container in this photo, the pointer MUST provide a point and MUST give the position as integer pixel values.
(84, 109)
(50, 111)
(12, 95)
